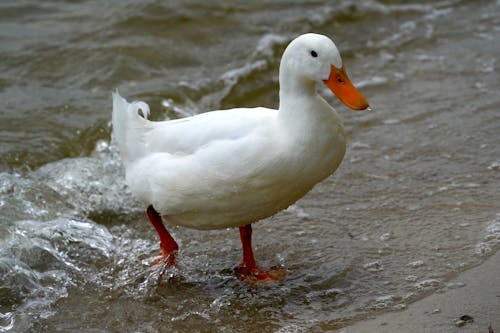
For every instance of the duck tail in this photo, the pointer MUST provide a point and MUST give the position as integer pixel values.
(129, 128)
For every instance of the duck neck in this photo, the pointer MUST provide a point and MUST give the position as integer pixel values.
(302, 110)
(295, 93)
(300, 105)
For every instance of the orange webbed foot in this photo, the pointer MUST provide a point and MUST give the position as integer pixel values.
(167, 259)
(260, 275)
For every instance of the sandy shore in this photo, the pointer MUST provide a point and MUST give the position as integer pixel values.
(479, 299)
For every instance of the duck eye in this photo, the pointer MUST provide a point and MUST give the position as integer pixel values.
(314, 54)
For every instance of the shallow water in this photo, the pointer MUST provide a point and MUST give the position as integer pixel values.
(415, 202)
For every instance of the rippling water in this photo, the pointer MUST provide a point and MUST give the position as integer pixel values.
(415, 202)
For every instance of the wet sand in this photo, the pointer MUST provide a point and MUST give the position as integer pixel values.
(479, 299)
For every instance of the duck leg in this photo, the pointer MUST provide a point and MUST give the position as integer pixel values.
(167, 242)
(248, 269)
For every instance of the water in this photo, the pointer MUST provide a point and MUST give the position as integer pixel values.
(415, 202)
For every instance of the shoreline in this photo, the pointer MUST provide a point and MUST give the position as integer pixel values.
(441, 312)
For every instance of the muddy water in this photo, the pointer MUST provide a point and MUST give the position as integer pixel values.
(415, 202)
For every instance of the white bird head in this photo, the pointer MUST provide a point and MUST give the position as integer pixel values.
(315, 58)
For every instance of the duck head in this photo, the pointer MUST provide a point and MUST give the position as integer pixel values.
(312, 58)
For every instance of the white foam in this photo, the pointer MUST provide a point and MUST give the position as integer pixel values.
(297, 211)
(491, 240)
(416, 263)
(428, 284)
(372, 82)
(267, 44)
(40, 260)
(170, 105)
(494, 166)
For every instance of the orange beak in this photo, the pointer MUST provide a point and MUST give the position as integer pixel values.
(341, 86)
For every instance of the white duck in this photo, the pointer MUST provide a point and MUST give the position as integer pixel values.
(231, 168)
